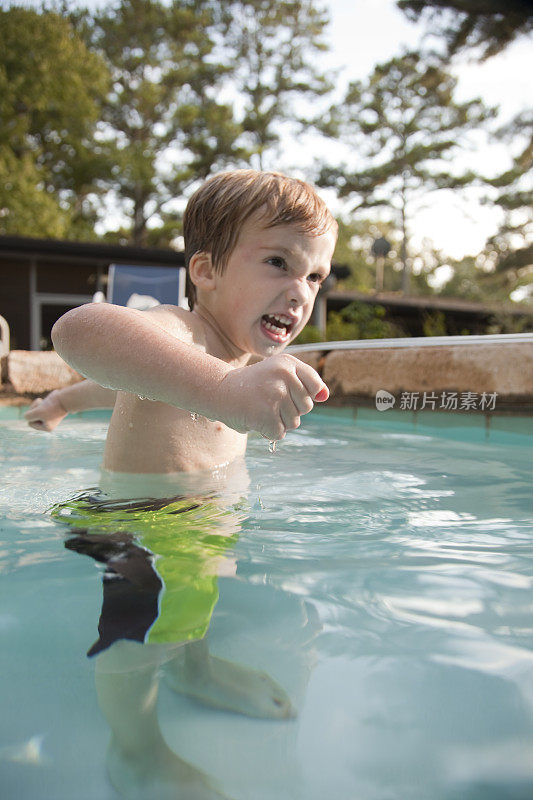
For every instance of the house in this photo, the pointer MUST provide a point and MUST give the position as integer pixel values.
(41, 279)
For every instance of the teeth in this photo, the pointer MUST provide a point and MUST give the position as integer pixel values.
(286, 321)
(273, 328)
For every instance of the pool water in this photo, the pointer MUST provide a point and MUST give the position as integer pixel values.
(384, 579)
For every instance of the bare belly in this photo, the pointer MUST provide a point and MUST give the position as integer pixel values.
(148, 436)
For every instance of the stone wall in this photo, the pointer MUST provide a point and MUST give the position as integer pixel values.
(26, 374)
(435, 373)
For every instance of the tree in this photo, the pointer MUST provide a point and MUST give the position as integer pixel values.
(273, 47)
(490, 25)
(354, 250)
(511, 249)
(404, 125)
(51, 87)
(164, 124)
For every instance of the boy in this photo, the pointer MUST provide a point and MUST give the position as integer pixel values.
(258, 246)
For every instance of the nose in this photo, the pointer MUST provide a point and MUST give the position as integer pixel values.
(298, 291)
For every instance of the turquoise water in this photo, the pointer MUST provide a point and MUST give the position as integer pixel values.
(384, 579)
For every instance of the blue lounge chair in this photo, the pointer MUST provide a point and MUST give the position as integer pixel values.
(144, 286)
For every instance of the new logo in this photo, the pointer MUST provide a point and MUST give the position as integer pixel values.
(384, 400)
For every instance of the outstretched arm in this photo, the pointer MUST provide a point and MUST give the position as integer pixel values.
(129, 350)
(46, 413)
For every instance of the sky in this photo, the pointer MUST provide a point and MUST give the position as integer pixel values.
(365, 32)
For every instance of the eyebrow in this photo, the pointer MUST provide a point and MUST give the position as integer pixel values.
(285, 250)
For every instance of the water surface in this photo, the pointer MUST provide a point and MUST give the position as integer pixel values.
(384, 579)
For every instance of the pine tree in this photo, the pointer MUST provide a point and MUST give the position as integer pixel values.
(511, 248)
(164, 124)
(273, 48)
(404, 125)
(487, 25)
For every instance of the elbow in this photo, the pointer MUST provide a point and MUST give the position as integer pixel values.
(67, 332)
(60, 334)
(57, 335)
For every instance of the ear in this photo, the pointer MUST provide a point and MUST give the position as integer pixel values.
(201, 271)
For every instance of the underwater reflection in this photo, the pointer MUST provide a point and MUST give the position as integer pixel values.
(162, 559)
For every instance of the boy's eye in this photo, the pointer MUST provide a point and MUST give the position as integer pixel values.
(315, 277)
(278, 261)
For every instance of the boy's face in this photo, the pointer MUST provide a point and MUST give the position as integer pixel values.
(266, 294)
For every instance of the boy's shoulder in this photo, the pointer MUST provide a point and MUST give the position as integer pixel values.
(184, 325)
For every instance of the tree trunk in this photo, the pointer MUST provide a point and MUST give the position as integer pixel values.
(139, 220)
(406, 275)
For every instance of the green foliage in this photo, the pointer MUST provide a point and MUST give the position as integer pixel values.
(488, 25)
(26, 208)
(510, 248)
(434, 324)
(163, 124)
(273, 47)
(309, 335)
(464, 281)
(51, 88)
(477, 279)
(354, 250)
(360, 321)
(356, 321)
(404, 125)
(504, 322)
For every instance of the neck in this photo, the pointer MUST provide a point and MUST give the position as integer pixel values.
(219, 344)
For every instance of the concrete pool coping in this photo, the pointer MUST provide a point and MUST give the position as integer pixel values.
(455, 374)
(461, 374)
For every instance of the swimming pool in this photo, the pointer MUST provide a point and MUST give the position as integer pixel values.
(384, 579)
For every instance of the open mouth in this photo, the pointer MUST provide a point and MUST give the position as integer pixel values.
(277, 327)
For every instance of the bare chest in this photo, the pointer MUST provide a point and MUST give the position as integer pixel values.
(147, 436)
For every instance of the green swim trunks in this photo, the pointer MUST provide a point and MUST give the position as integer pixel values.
(161, 557)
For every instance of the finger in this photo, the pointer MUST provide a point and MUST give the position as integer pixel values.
(33, 406)
(311, 380)
(289, 413)
(38, 424)
(274, 432)
(290, 423)
(300, 397)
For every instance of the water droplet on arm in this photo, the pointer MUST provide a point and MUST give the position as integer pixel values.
(194, 416)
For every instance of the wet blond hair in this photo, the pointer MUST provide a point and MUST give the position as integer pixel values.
(217, 211)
